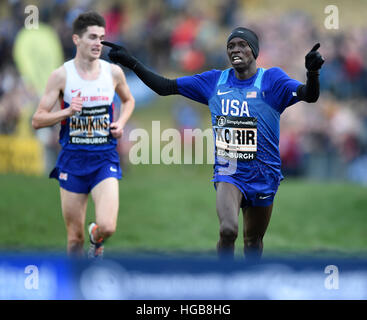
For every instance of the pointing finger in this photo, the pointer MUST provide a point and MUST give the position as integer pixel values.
(111, 45)
(315, 47)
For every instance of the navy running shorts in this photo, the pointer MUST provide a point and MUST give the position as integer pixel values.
(85, 183)
(258, 190)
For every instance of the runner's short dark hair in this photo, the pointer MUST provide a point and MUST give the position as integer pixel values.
(84, 20)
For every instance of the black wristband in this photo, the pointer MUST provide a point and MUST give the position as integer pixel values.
(314, 73)
(311, 90)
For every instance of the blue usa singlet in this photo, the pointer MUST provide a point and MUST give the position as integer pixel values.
(245, 117)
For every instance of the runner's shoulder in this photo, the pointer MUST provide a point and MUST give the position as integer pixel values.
(117, 73)
(275, 73)
(115, 69)
(58, 77)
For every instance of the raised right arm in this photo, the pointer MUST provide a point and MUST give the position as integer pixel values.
(156, 82)
(159, 84)
(199, 87)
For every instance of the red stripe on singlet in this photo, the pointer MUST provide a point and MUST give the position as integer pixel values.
(63, 122)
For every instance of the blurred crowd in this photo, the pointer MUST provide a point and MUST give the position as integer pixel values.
(177, 37)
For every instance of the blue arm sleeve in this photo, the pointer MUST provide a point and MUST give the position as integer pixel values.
(280, 89)
(199, 87)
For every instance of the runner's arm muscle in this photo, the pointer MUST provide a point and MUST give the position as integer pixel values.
(127, 100)
(44, 117)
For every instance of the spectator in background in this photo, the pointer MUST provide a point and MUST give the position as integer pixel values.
(115, 21)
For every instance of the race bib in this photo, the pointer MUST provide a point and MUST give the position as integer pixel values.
(236, 137)
(91, 126)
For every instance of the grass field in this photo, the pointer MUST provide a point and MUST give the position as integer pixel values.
(172, 209)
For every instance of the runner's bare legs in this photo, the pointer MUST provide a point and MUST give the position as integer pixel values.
(74, 208)
(255, 223)
(228, 205)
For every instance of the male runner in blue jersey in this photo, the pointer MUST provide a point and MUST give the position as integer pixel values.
(88, 161)
(245, 104)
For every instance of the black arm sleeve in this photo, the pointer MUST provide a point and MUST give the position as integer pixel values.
(157, 83)
(311, 91)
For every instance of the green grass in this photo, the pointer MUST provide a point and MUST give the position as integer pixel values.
(172, 209)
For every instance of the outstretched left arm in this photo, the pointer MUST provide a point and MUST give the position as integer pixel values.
(311, 90)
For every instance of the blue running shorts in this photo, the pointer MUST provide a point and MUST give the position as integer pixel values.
(258, 189)
(85, 183)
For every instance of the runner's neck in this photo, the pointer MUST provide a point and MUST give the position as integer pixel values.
(87, 69)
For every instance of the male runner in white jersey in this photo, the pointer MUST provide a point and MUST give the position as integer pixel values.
(88, 161)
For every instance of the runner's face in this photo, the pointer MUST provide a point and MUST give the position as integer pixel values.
(239, 53)
(90, 42)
